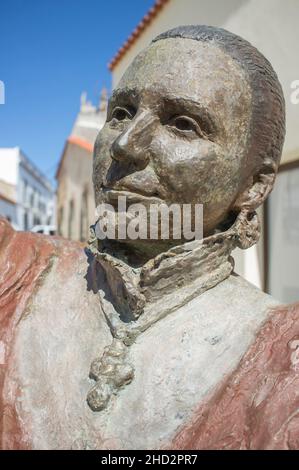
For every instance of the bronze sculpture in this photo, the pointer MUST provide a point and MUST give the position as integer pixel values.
(165, 326)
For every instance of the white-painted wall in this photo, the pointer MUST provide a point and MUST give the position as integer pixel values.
(35, 196)
(8, 211)
(9, 158)
(284, 237)
(17, 170)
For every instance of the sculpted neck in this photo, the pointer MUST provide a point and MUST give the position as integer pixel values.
(136, 254)
(144, 291)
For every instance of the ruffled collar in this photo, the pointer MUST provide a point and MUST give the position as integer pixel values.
(174, 277)
(133, 299)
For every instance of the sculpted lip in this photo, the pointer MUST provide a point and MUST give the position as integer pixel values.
(112, 195)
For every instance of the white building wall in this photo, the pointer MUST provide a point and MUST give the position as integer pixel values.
(284, 237)
(35, 197)
(8, 211)
(33, 192)
(9, 158)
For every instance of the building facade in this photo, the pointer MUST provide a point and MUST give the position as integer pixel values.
(8, 209)
(271, 26)
(75, 196)
(27, 197)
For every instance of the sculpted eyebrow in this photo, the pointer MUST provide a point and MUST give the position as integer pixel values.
(124, 95)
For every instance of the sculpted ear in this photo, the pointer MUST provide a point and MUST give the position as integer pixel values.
(258, 189)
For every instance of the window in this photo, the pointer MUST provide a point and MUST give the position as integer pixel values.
(60, 221)
(36, 199)
(25, 221)
(32, 198)
(71, 221)
(25, 191)
(84, 217)
(36, 220)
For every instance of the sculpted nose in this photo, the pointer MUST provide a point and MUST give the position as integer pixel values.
(132, 144)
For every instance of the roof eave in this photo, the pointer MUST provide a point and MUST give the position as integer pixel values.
(140, 28)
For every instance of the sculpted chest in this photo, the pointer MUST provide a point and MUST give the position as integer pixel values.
(180, 360)
(176, 363)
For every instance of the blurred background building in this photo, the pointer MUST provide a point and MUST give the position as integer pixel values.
(27, 198)
(271, 26)
(75, 196)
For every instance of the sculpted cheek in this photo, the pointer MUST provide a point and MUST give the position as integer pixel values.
(102, 148)
(190, 170)
(102, 159)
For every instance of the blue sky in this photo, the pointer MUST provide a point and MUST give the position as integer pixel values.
(50, 51)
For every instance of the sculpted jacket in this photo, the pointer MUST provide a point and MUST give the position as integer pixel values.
(183, 354)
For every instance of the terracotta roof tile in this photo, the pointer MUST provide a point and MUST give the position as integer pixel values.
(81, 143)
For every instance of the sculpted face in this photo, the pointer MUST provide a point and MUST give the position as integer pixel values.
(177, 129)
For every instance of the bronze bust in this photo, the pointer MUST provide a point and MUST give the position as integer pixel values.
(135, 352)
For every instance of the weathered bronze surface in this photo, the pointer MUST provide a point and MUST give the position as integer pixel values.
(197, 118)
(165, 330)
(207, 128)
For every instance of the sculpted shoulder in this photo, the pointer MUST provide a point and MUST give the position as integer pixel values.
(25, 260)
(264, 411)
(50, 325)
(243, 292)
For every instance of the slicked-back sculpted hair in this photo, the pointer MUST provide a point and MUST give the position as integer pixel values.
(267, 129)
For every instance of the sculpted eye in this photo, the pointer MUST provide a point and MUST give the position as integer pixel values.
(185, 124)
(120, 114)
